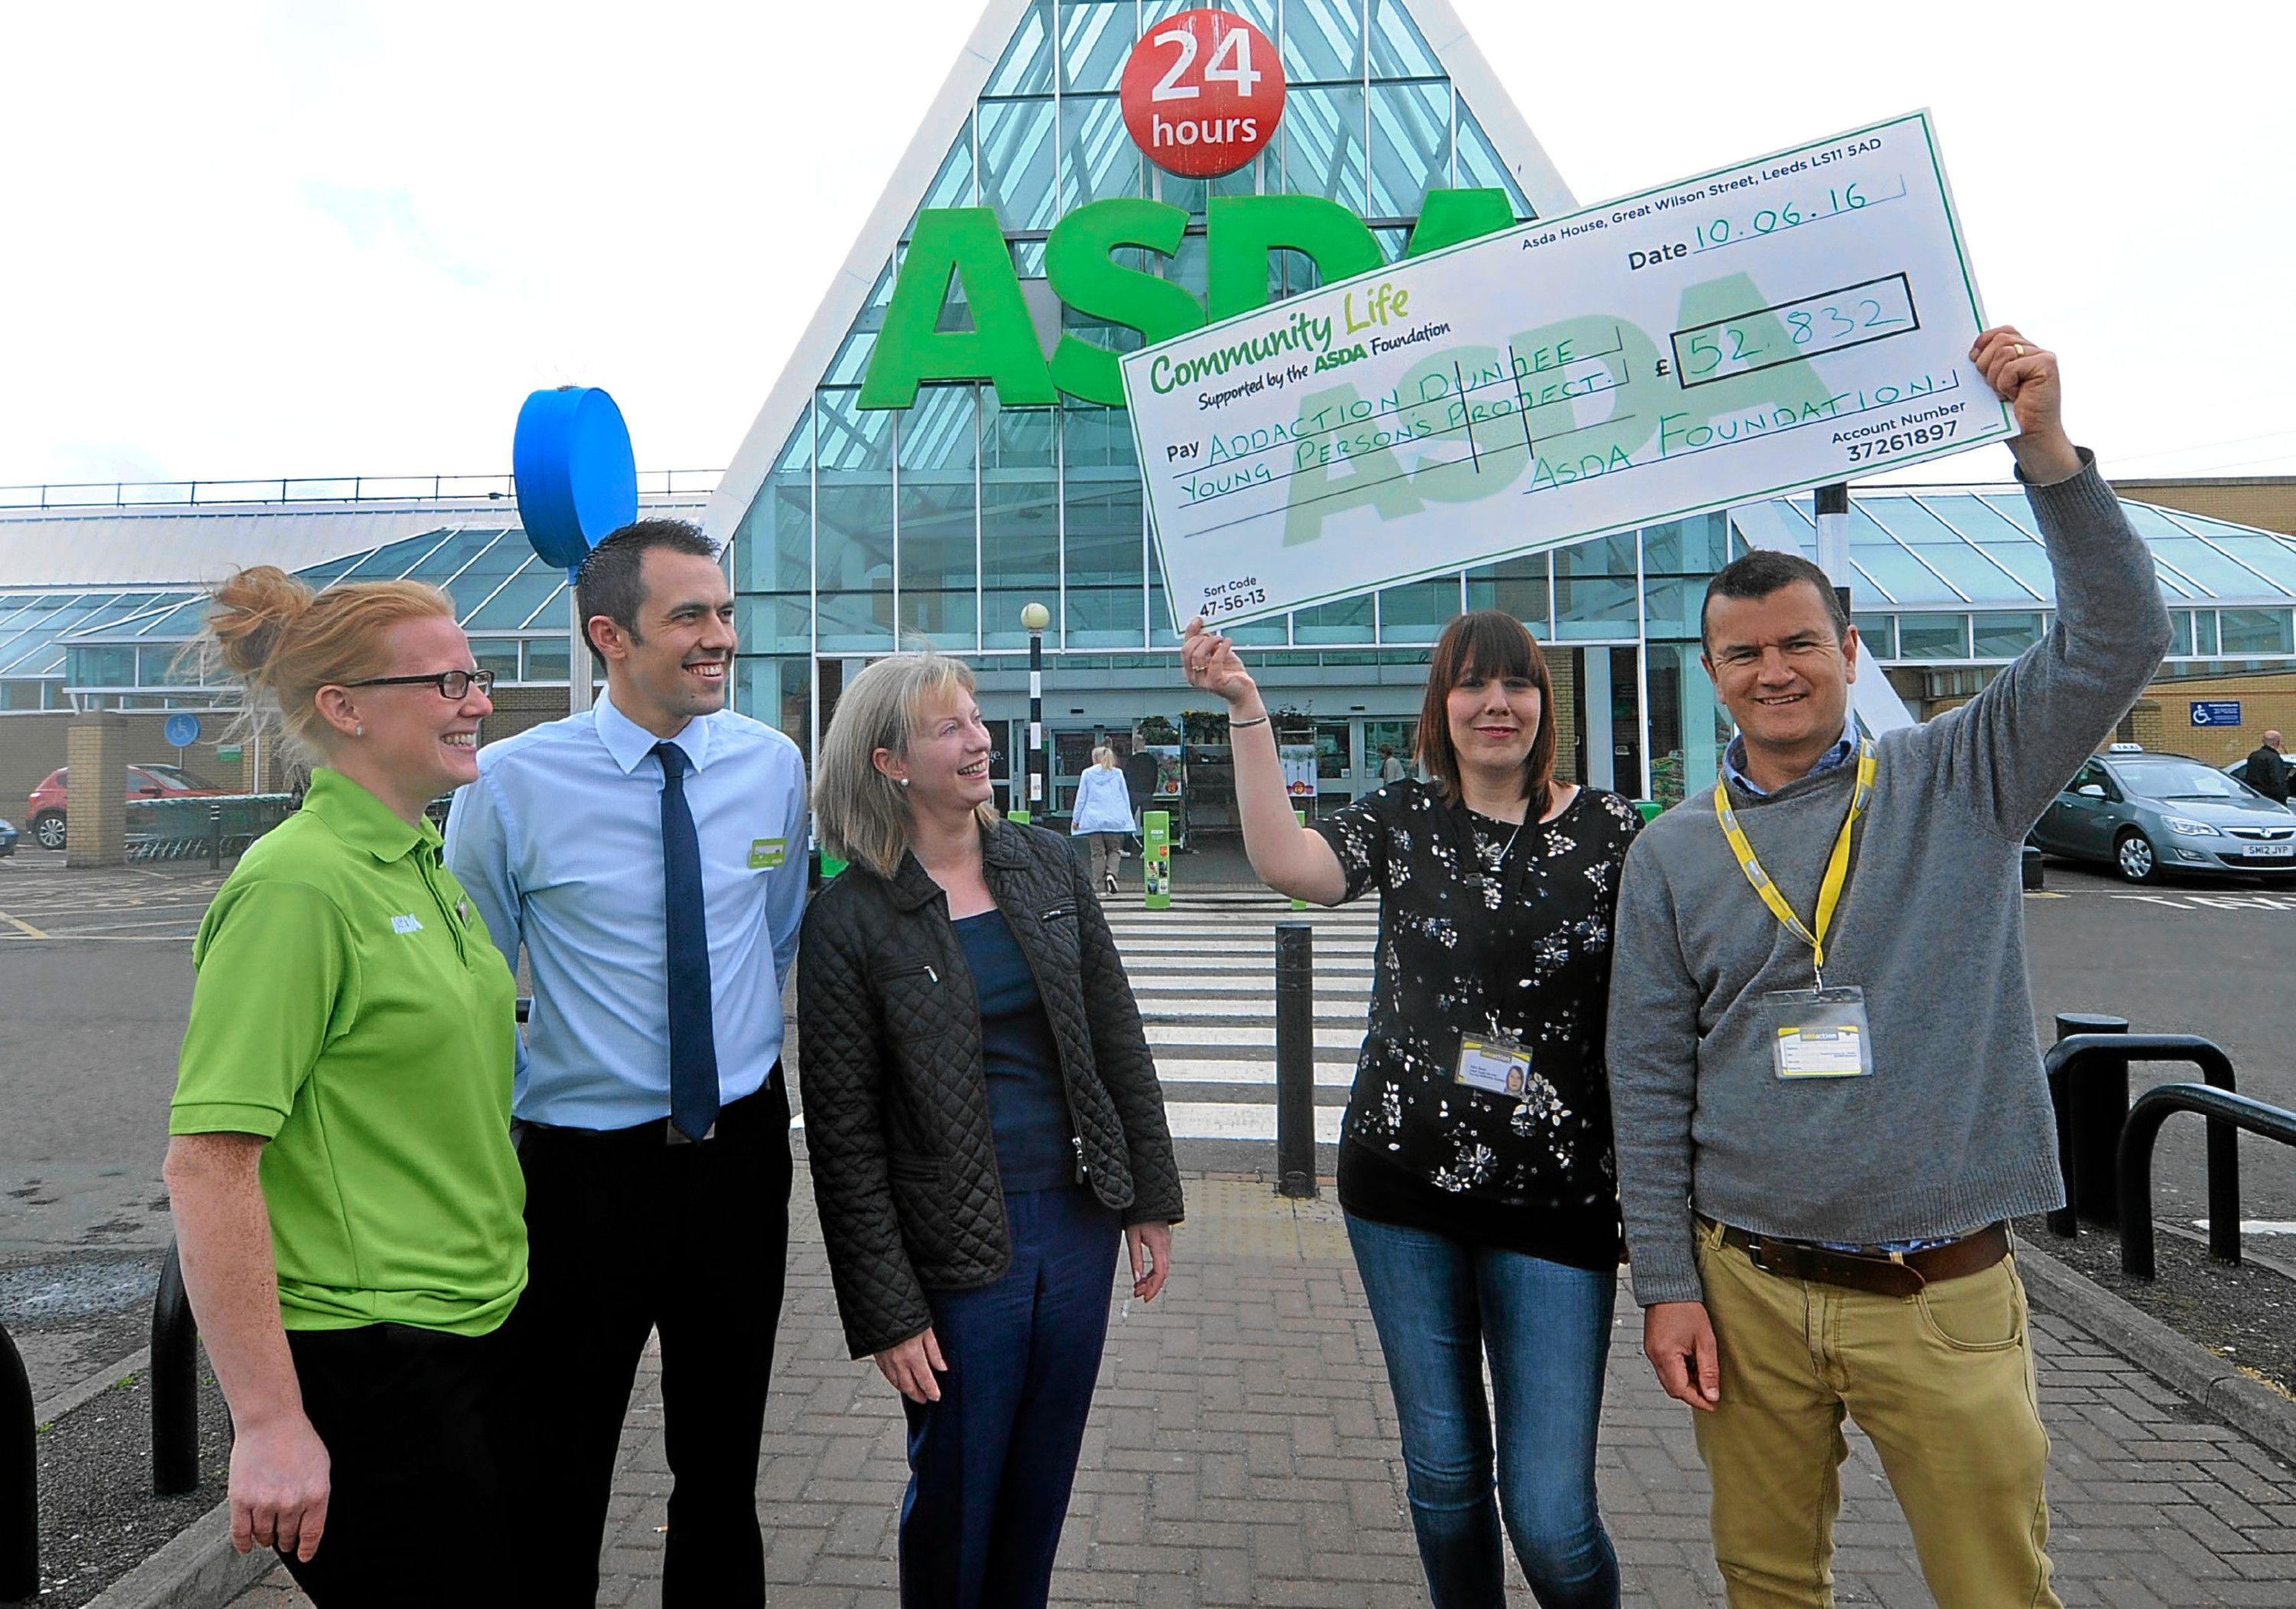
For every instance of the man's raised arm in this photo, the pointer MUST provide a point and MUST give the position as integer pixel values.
(2018, 741)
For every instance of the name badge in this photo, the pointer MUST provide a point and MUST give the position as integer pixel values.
(765, 854)
(1819, 1033)
(1497, 1065)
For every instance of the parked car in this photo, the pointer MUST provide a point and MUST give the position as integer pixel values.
(7, 840)
(44, 811)
(2144, 814)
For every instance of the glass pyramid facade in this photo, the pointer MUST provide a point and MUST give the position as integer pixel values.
(873, 530)
(944, 520)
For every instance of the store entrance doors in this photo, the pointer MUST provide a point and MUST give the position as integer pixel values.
(1349, 761)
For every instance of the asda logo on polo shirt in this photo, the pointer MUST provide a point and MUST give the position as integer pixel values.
(404, 924)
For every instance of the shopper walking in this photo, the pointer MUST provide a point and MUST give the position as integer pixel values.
(1829, 1093)
(984, 1123)
(1475, 1164)
(649, 853)
(1102, 815)
(345, 1198)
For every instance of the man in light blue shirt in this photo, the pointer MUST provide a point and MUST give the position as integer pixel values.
(649, 855)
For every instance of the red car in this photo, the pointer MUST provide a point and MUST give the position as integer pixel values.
(43, 811)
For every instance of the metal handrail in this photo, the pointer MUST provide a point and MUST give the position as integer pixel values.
(314, 488)
(19, 1477)
(2070, 1057)
(174, 1384)
(2224, 1110)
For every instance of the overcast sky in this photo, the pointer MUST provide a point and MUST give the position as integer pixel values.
(325, 239)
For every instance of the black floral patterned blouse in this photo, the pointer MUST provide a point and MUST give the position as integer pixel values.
(1519, 942)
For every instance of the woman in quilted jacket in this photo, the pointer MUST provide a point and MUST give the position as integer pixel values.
(984, 1125)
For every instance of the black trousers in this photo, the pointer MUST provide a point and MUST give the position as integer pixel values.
(627, 1235)
(409, 1418)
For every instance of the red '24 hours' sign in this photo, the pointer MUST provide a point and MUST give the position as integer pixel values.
(1204, 93)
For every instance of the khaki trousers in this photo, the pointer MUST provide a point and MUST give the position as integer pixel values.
(1942, 1382)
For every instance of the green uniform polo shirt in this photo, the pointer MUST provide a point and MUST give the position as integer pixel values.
(352, 1009)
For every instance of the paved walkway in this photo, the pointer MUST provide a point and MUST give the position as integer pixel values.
(1243, 1451)
(1243, 1445)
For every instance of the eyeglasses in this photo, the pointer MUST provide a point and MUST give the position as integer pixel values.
(451, 683)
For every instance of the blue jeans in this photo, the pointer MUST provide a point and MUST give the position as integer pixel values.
(1440, 1305)
(991, 1462)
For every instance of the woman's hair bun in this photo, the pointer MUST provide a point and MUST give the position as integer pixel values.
(252, 610)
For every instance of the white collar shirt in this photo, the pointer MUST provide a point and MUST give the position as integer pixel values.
(559, 844)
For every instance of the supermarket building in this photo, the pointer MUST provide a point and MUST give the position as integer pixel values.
(859, 518)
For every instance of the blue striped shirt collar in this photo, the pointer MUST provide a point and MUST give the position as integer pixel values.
(1734, 759)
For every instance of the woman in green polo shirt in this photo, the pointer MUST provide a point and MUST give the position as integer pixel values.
(348, 1203)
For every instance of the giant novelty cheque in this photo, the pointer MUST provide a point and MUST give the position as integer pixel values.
(1791, 322)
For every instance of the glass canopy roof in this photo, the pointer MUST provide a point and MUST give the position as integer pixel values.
(1917, 551)
(1979, 547)
(499, 585)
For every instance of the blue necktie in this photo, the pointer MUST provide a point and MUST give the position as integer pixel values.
(693, 1034)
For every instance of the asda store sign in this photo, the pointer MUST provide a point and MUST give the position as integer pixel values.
(965, 246)
(1202, 95)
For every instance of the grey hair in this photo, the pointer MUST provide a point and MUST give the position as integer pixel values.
(862, 814)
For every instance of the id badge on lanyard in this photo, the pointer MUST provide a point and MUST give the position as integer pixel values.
(1496, 1063)
(1819, 1033)
(1822, 1032)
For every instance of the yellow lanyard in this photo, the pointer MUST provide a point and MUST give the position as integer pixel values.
(1837, 870)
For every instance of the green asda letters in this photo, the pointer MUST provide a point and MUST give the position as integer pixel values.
(965, 245)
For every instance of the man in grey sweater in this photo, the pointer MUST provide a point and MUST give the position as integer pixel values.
(1826, 1084)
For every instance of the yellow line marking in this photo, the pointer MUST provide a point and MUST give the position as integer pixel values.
(21, 926)
(99, 938)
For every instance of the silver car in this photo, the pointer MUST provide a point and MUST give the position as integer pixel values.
(2145, 814)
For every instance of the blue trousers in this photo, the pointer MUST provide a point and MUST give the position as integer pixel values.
(990, 1464)
(1441, 1306)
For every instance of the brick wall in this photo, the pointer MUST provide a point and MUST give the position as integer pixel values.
(2267, 502)
(96, 745)
(32, 745)
(2267, 701)
(2162, 715)
(1563, 671)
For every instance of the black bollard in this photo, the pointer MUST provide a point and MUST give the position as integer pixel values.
(2100, 1106)
(2033, 874)
(1295, 1059)
(174, 1384)
(20, 1479)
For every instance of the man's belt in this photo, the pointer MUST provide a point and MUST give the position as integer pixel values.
(1904, 1275)
(734, 1117)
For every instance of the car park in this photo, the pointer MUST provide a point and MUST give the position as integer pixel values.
(46, 811)
(2147, 813)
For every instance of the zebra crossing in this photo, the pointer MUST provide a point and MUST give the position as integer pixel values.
(1204, 975)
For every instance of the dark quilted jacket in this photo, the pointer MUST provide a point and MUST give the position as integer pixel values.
(897, 1099)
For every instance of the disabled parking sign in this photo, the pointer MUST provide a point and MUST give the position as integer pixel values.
(2215, 713)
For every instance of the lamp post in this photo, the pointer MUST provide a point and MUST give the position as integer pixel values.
(1036, 617)
(1832, 504)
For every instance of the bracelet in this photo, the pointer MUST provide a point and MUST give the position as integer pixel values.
(1239, 725)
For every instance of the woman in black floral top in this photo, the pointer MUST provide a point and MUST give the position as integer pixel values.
(1475, 1166)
